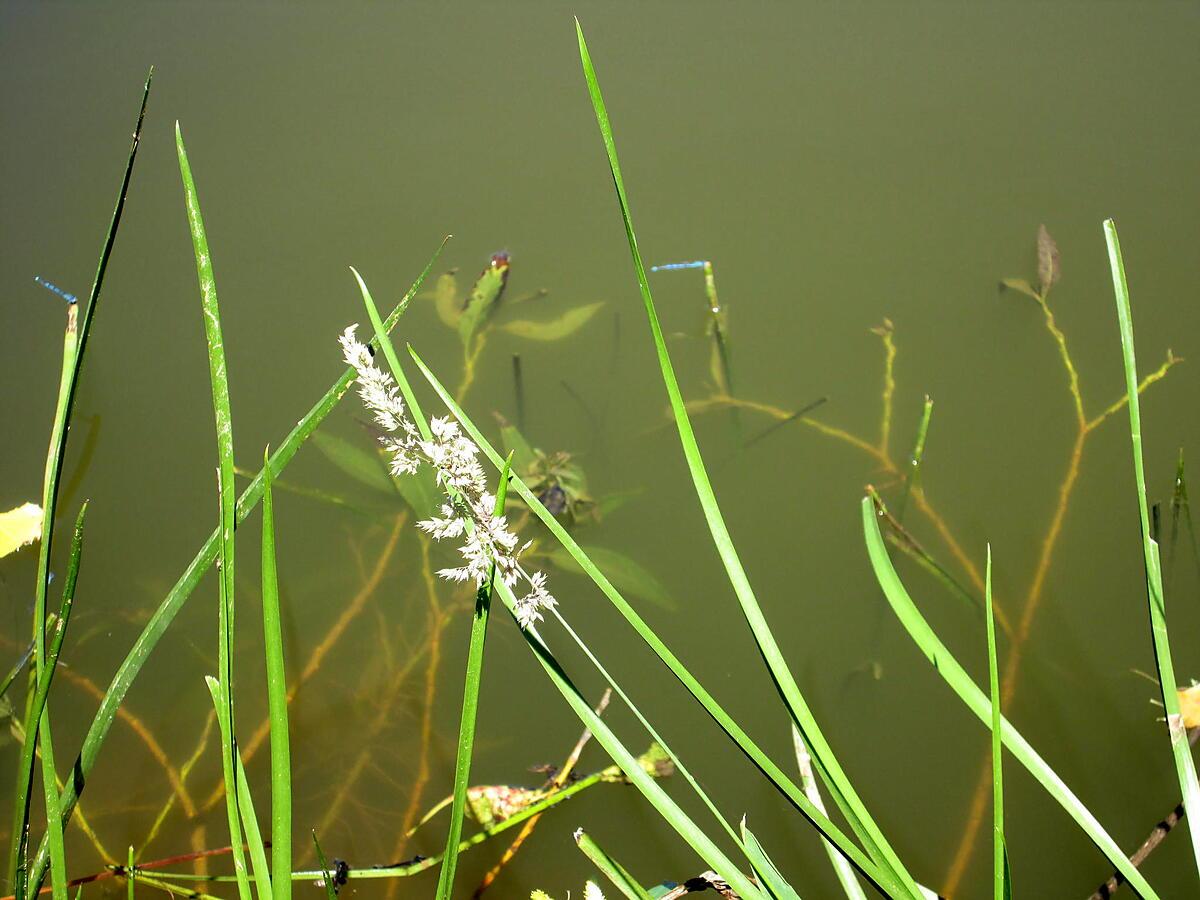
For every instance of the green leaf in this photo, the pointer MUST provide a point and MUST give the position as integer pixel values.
(484, 296)
(1020, 285)
(828, 766)
(515, 444)
(768, 874)
(445, 299)
(364, 466)
(623, 572)
(1000, 857)
(956, 677)
(612, 870)
(555, 329)
(1185, 767)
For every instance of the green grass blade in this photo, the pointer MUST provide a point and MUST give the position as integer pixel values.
(827, 765)
(777, 776)
(221, 704)
(35, 713)
(227, 494)
(768, 873)
(957, 678)
(327, 878)
(162, 617)
(845, 874)
(277, 706)
(258, 851)
(913, 479)
(470, 706)
(999, 855)
(646, 785)
(613, 870)
(1185, 766)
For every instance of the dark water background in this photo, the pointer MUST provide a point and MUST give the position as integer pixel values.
(839, 163)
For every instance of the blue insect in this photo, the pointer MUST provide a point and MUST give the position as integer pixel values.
(55, 289)
(671, 267)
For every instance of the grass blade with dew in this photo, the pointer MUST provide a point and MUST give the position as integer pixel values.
(1000, 875)
(1185, 766)
(162, 617)
(768, 873)
(277, 705)
(774, 773)
(612, 870)
(827, 765)
(78, 331)
(34, 713)
(470, 706)
(957, 678)
(219, 378)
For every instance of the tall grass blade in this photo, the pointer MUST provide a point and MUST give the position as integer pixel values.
(75, 344)
(327, 878)
(277, 706)
(957, 678)
(466, 728)
(219, 377)
(162, 617)
(612, 870)
(827, 765)
(221, 705)
(777, 776)
(1000, 876)
(1185, 766)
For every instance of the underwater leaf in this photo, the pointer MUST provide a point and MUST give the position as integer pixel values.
(445, 299)
(362, 465)
(765, 868)
(1020, 285)
(1049, 269)
(484, 296)
(19, 527)
(514, 442)
(625, 574)
(555, 329)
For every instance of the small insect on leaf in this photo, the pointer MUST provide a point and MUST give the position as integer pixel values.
(555, 329)
(19, 527)
(1049, 269)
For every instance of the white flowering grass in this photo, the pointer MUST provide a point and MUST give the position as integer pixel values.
(469, 511)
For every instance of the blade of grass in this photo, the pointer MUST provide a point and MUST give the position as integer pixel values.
(957, 678)
(778, 778)
(827, 765)
(914, 460)
(327, 879)
(221, 704)
(1185, 766)
(75, 345)
(162, 617)
(612, 870)
(227, 494)
(842, 869)
(254, 841)
(1000, 876)
(34, 713)
(474, 677)
(277, 707)
(768, 873)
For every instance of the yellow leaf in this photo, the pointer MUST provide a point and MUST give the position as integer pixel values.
(19, 527)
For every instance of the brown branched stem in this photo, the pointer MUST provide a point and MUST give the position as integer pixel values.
(556, 785)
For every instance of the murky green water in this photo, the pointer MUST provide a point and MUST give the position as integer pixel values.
(839, 165)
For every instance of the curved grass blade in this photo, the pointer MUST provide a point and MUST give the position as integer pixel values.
(827, 765)
(1185, 766)
(277, 706)
(466, 728)
(767, 872)
(327, 879)
(777, 776)
(613, 870)
(957, 678)
(162, 617)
